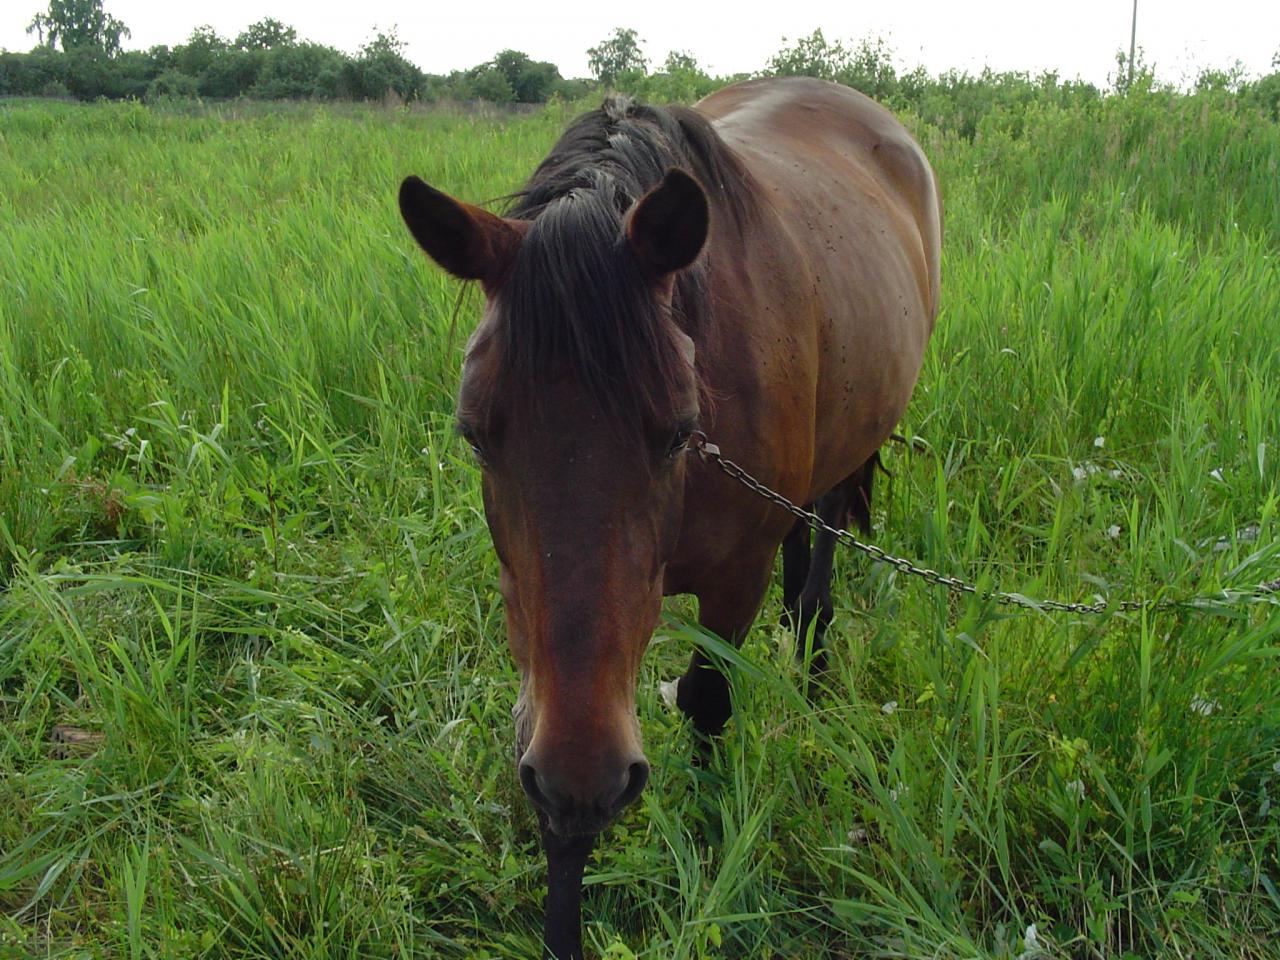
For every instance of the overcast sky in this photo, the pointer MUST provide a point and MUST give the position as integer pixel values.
(1076, 39)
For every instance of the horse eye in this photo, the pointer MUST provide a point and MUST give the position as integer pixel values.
(476, 450)
(679, 442)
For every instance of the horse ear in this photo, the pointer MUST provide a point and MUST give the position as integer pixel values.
(668, 226)
(472, 244)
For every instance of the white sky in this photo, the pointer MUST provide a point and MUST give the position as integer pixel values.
(1077, 39)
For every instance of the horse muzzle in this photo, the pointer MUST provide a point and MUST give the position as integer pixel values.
(577, 802)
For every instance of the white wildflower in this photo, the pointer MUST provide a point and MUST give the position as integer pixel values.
(887, 708)
(1075, 788)
(1204, 706)
(1030, 943)
(667, 690)
(1099, 442)
(1113, 531)
(1084, 471)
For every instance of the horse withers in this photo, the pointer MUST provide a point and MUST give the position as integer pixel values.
(762, 267)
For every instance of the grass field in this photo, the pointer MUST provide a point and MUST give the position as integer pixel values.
(254, 694)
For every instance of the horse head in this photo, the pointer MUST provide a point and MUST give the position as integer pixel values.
(578, 395)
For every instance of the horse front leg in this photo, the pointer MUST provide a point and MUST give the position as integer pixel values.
(727, 608)
(562, 909)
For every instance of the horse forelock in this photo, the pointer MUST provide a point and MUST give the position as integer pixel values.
(576, 299)
(577, 303)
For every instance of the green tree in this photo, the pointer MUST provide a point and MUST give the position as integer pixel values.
(869, 68)
(299, 71)
(266, 34)
(487, 82)
(231, 72)
(1230, 79)
(530, 81)
(201, 49)
(617, 54)
(1136, 77)
(79, 25)
(171, 85)
(681, 61)
(1264, 93)
(382, 66)
(680, 80)
(810, 56)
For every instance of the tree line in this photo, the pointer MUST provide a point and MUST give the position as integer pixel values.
(79, 54)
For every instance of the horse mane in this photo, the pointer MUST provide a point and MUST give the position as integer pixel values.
(575, 297)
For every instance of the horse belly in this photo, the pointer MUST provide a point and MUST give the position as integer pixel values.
(872, 330)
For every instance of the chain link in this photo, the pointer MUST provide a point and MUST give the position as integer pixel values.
(709, 452)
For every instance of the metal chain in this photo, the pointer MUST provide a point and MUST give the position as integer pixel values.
(709, 452)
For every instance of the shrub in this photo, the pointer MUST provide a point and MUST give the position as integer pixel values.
(1264, 95)
(36, 74)
(231, 72)
(293, 72)
(530, 81)
(381, 66)
(172, 85)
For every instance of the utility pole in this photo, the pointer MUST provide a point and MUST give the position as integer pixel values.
(1133, 36)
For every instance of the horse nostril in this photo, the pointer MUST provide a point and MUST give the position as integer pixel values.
(637, 777)
(529, 780)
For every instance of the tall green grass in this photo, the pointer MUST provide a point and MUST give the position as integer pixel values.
(238, 540)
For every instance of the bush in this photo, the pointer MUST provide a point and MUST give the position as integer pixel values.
(231, 73)
(382, 66)
(1264, 96)
(131, 73)
(89, 74)
(570, 90)
(172, 85)
(194, 57)
(39, 73)
(294, 72)
(530, 81)
(484, 83)
(810, 56)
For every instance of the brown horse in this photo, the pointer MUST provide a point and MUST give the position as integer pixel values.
(762, 267)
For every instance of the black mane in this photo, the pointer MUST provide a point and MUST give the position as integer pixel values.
(576, 297)
(633, 144)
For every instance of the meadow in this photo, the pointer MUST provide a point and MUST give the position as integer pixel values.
(254, 692)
